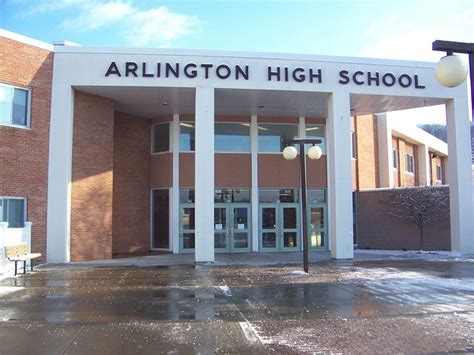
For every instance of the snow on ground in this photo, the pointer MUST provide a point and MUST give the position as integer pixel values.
(225, 290)
(5, 290)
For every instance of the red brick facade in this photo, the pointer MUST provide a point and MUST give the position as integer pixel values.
(24, 152)
(92, 178)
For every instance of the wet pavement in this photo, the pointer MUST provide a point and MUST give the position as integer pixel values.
(354, 306)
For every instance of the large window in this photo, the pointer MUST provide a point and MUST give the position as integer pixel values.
(271, 136)
(231, 137)
(14, 107)
(409, 163)
(186, 137)
(161, 138)
(13, 211)
(316, 131)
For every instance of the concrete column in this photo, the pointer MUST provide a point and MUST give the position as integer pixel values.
(459, 176)
(254, 191)
(339, 176)
(58, 231)
(174, 201)
(424, 169)
(204, 175)
(384, 132)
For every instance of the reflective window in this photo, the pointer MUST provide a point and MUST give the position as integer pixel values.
(271, 136)
(231, 195)
(316, 131)
(317, 196)
(187, 137)
(353, 146)
(231, 137)
(13, 105)
(161, 137)
(395, 158)
(409, 163)
(283, 195)
(186, 195)
(12, 210)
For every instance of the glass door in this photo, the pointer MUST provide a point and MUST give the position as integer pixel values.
(317, 227)
(289, 222)
(240, 229)
(187, 228)
(268, 228)
(221, 229)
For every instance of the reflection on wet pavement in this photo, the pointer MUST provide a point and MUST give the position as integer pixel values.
(205, 309)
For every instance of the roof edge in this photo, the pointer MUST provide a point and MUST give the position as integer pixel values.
(26, 40)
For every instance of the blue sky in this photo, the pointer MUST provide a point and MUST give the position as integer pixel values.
(385, 29)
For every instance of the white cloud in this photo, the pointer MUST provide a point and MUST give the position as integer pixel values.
(155, 26)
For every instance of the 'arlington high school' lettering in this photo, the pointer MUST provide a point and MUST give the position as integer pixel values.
(273, 73)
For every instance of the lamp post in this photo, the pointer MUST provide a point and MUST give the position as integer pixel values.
(450, 70)
(290, 153)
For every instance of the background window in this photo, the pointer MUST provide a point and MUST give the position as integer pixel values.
(186, 137)
(439, 173)
(353, 146)
(395, 158)
(161, 137)
(13, 105)
(270, 136)
(409, 163)
(12, 210)
(160, 215)
(316, 131)
(231, 137)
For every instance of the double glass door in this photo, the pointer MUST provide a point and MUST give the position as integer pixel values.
(231, 227)
(279, 227)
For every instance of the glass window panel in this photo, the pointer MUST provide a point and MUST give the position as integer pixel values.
(317, 196)
(289, 195)
(20, 107)
(289, 240)
(269, 240)
(186, 195)
(161, 138)
(241, 240)
(231, 137)
(160, 218)
(188, 218)
(316, 239)
(268, 196)
(353, 146)
(241, 218)
(6, 94)
(316, 131)
(317, 217)
(222, 195)
(188, 240)
(220, 241)
(220, 218)
(16, 213)
(240, 195)
(268, 218)
(3, 218)
(270, 136)
(186, 137)
(289, 217)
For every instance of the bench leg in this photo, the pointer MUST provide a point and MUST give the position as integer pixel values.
(24, 267)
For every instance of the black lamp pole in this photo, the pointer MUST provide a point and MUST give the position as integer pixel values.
(301, 142)
(459, 47)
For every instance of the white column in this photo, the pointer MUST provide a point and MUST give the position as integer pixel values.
(423, 164)
(59, 174)
(459, 176)
(384, 133)
(3, 235)
(254, 198)
(174, 208)
(339, 176)
(204, 175)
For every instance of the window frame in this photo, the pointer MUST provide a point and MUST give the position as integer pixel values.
(153, 138)
(25, 209)
(249, 151)
(395, 159)
(409, 158)
(277, 124)
(28, 108)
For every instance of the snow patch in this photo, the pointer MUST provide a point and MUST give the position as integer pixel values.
(5, 290)
(299, 272)
(225, 290)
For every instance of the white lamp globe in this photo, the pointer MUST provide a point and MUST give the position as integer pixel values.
(290, 153)
(450, 71)
(314, 152)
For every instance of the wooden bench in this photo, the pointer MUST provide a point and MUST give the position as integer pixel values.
(19, 252)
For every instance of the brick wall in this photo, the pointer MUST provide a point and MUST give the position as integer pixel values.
(131, 185)
(367, 162)
(92, 178)
(24, 152)
(377, 230)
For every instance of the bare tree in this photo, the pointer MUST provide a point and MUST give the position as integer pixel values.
(418, 205)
